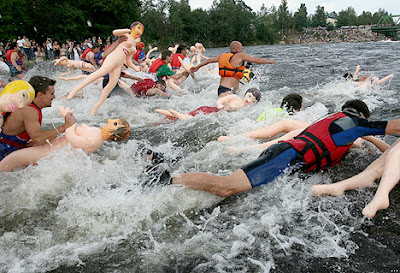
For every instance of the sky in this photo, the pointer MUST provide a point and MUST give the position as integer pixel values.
(391, 6)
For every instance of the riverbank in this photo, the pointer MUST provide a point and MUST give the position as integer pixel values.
(345, 34)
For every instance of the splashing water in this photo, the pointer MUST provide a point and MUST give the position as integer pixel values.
(85, 212)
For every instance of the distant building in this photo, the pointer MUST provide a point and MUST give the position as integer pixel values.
(331, 21)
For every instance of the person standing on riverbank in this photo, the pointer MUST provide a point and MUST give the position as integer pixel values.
(231, 67)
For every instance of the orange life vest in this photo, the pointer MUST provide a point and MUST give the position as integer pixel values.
(228, 70)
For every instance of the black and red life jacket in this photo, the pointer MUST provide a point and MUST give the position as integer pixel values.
(316, 146)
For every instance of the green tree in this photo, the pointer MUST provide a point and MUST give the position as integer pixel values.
(347, 17)
(319, 18)
(284, 18)
(266, 27)
(365, 18)
(300, 18)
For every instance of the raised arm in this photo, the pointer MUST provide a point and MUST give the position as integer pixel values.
(120, 32)
(208, 61)
(355, 76)
(255, 60)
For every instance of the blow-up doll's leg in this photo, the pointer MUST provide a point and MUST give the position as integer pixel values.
(90, 78)
(28, 156)
(114, 77)
(390, 177)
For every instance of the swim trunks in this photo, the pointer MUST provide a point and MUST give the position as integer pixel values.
(223, 89)
(9, 144)
(14, 71)
(271, 163)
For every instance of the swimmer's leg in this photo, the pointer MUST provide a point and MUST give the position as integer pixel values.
(114, 77)
(390, 177)
(220, 185)
(75, 78)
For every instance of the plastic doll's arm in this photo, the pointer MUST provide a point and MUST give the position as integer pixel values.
(120, 32)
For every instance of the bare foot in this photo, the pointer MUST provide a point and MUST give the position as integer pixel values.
(332, 189)
(377, 203)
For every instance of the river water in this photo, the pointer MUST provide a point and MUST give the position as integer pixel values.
(95, 213)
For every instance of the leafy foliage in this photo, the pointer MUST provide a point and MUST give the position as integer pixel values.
(166, 21)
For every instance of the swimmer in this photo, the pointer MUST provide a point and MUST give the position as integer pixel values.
(365, 78)
(295, 154)
(89, 139)
(113, 63)
(227, 103)
(231, 67)
(292, 103)
(146, 88)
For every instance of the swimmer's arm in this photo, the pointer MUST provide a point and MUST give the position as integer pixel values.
(93, 61)
(33, 127)
(208, 61)
(393, 127)
(355, 76)
(114, 45)
(380, 144)
(255, 60)
(120, 32)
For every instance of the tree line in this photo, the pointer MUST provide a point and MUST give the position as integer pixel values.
(166, 22)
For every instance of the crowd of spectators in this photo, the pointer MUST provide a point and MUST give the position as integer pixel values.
(50, 50)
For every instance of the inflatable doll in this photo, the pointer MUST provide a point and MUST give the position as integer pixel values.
(15, 95)
(89, 139)
(71, 64)
(113, 63)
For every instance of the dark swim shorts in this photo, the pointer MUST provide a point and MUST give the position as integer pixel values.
(271, 163)
(14, 71)
(223, 89)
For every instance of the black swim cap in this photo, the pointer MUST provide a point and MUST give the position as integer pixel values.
(356, 108)
(292, 103)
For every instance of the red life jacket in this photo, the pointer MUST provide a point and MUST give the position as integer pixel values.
(140, 88)
(136, 56)
(316, 146)
(175, 63)
(8, 58)
(157, 63)
(86, 52)
(24, 136)
(226, 69)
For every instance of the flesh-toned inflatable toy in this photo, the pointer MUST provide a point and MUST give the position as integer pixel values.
(112, 65)
(71, 64)
(89, 139)
(15, 95)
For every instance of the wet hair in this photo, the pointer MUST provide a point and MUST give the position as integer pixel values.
(96, 45)
(13, 45)
(41, 84)
(122, 132)
(161, 81)
(348, 76)
(165, 54)
(180, 48)
(256, 93)
(356, 108)
(134, 24)
(291, 103)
